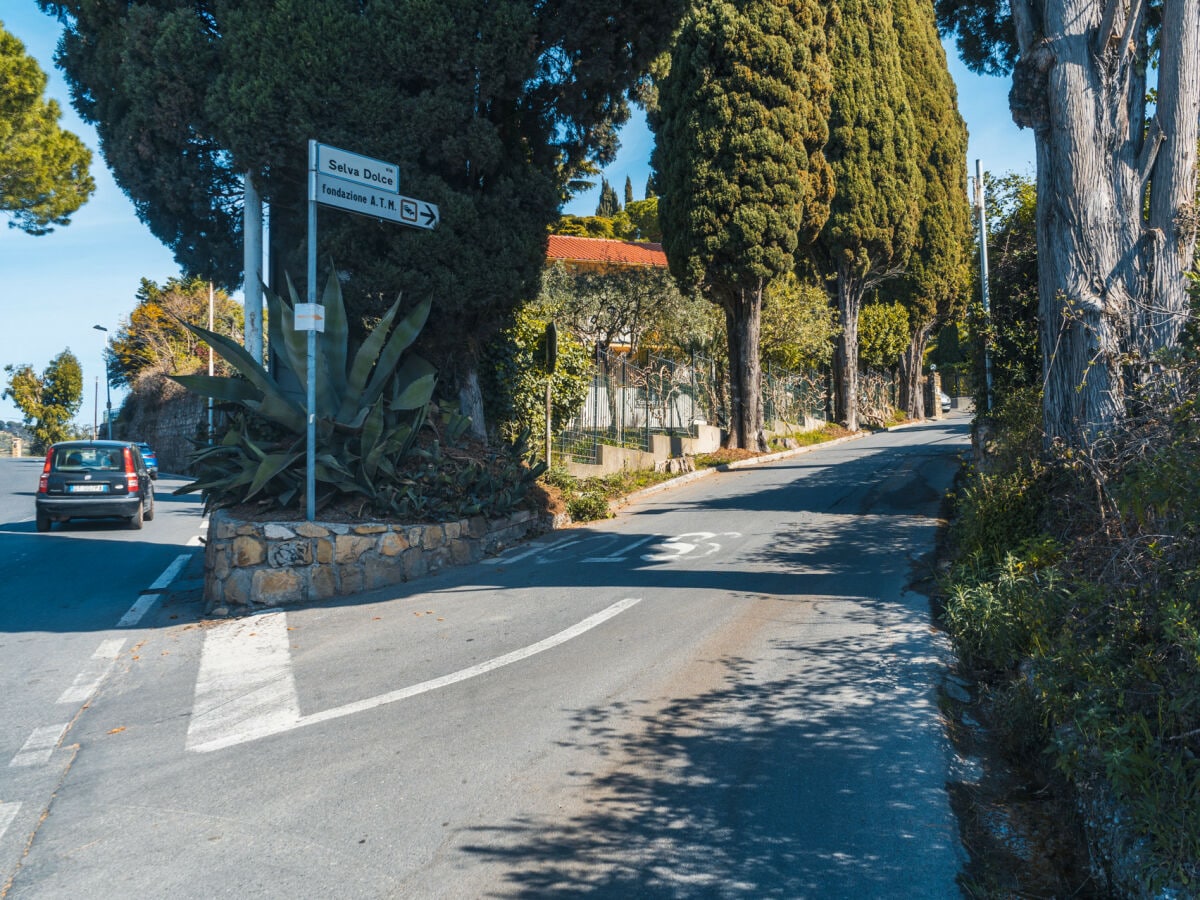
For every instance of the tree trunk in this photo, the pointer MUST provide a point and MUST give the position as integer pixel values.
(743, 321)
(470, 402)
(1110, 276)
(912, 398)
(845, 357)
(1171, 232)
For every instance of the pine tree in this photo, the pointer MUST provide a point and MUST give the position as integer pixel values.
(937, 276)
(872, 150)
(48, 401)
(43, 169)
(628, 190)
(651, 192)
(740, 121)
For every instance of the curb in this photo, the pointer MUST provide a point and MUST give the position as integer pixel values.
(727, 467)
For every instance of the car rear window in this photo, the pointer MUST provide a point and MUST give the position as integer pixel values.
(79, 459)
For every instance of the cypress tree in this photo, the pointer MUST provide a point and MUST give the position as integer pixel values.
(628, 190)
(609, 205)
(740, 121)
(873, 153)
(937, 278)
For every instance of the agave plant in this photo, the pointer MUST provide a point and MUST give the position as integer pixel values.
(370, 405)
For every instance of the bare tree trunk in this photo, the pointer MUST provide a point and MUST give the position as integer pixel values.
(1110, 277)
(470, 402)
(845, 358)
(743, 325)
(912, 398)
(1173, 217)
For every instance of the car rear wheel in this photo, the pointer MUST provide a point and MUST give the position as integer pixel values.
(135, 521)
(150, 512)
(43, 522)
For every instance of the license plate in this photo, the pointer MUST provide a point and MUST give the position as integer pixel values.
(87, 488)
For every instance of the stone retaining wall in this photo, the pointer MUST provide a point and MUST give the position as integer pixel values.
(251, 565)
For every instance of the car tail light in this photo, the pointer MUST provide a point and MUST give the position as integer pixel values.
(43, 482)
(131, 476)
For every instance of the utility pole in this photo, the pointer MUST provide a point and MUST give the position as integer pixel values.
(210, 361)
(981, 213)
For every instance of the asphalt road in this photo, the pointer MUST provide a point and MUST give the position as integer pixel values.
(727, 691)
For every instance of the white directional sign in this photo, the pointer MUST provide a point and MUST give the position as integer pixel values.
(360, 169)
(378, 204)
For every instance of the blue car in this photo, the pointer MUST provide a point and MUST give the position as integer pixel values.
(150, 457)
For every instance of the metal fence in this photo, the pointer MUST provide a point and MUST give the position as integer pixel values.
(627, 403)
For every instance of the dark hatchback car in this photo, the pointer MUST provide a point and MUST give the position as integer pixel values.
(94, 480)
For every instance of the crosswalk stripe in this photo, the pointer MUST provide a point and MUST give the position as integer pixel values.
(245, 688)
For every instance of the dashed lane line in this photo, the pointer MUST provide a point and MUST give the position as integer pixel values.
(94, 672)
(8, 812)
(40, 746)
(152, 594)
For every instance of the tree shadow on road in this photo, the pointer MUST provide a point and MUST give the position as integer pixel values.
(820, 774)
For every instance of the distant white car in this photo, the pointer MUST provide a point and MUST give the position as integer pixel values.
(945, 400)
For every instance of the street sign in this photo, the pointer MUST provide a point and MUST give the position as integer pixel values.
(309, 317)
(378, 204)
(360, 169)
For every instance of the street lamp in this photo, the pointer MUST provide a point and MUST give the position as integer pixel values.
(107, 391)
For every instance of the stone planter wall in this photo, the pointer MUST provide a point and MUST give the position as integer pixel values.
(250, 565)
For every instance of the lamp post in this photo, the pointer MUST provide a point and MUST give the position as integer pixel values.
(107, 393)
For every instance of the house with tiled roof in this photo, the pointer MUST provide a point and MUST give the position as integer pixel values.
(600, 253)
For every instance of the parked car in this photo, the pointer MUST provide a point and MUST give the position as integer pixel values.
(151, 458)
(944, 399)
(94, 480)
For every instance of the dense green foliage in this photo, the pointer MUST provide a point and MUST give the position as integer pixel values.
(872, 150)
(884, 334)
(798, 325)
(740, 123)
(48, 401)
(43, 169)
(1011, 330)
(489, 110)
(154, 339)
(515, 376)
(1076, 595)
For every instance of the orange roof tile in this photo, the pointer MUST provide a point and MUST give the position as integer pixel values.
(601, 250)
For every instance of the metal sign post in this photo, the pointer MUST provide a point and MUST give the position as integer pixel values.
(358, 184)
(310, 465)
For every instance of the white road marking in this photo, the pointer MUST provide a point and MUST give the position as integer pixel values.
(620, 554)
(245, 688)
(87, 681)
(40, 746)
(218, 734)
(8, 812)
(134, 614)
(173, 570)
(194, 541)
(504, 560)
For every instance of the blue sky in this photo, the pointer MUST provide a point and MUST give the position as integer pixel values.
(55, 288)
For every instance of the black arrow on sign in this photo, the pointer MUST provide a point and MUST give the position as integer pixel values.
(430, 216)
